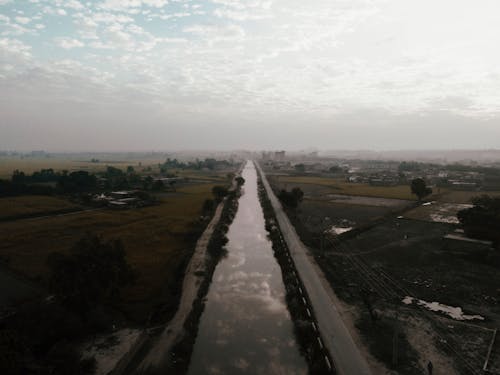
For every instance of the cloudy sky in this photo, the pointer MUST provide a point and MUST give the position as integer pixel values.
(182, 74)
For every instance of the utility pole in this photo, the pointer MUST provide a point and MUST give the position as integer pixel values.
(395, 345)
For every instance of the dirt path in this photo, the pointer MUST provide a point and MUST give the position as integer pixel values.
(195, 273)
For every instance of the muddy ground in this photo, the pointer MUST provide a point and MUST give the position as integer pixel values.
(374, 267)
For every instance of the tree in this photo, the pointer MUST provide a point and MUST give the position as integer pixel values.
(219, 192)
(77, 181)
(291, 198)
(300, 168)
(18, 177)
(240, 180)
(335, 169)
(93, 272)
(147, 184)
(158, 185)
(208, 206)
(419, 188)
(483, 219)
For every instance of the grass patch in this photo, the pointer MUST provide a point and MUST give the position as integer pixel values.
(340, 186)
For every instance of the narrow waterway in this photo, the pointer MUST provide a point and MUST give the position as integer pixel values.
(245, 327)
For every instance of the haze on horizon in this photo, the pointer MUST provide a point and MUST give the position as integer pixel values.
(226, 74)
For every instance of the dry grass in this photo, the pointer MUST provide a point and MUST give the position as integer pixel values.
(32, 204)
(454, 196)
(154, 239)
(339, 186)
(30, 165)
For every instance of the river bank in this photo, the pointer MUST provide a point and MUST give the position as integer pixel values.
(305, 324)
(246, 326)
(171, 349)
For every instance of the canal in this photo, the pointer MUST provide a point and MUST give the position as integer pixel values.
(246, 327)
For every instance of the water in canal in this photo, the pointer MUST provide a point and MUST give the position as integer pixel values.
(245, 327)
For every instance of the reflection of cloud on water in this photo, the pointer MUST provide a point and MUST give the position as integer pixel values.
(238, 259)
(215, 370)
(224, 328)
(274, 303)
(244, 292)
(241, 363)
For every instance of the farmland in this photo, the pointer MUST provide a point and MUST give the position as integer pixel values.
(386, 258)
(30, 165)
(156, 240)
(32, 205)
(340, 186)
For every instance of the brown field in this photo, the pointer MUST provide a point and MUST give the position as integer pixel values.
(339, 186)
(455, 196)
(154, 239)
(32, 204)
(30, 165)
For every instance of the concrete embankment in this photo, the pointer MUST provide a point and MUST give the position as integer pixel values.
(336, 337)
(298, 302)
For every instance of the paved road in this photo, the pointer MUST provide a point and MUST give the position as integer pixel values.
(346, 356)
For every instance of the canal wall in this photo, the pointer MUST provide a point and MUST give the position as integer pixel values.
(181, 352)
(305, 324)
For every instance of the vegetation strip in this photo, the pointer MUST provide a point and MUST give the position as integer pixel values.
(182, 350)
(297, 300)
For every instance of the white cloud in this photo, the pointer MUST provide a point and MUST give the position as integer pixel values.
(155, 3)
(23, 20)
(216, 33)
(174, 15)
(280, 58)
(86, 26)
(131, 6)
(73, 4)
(68, 43)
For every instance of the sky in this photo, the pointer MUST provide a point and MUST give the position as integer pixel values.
(143, 75)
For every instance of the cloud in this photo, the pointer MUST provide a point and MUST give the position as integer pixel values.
(262, 62)
(73, 4)
(68, 43)
(174, 15)
(12, 28)
(14, 50)
(131, 5)
(216, 33)
(23, 20)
